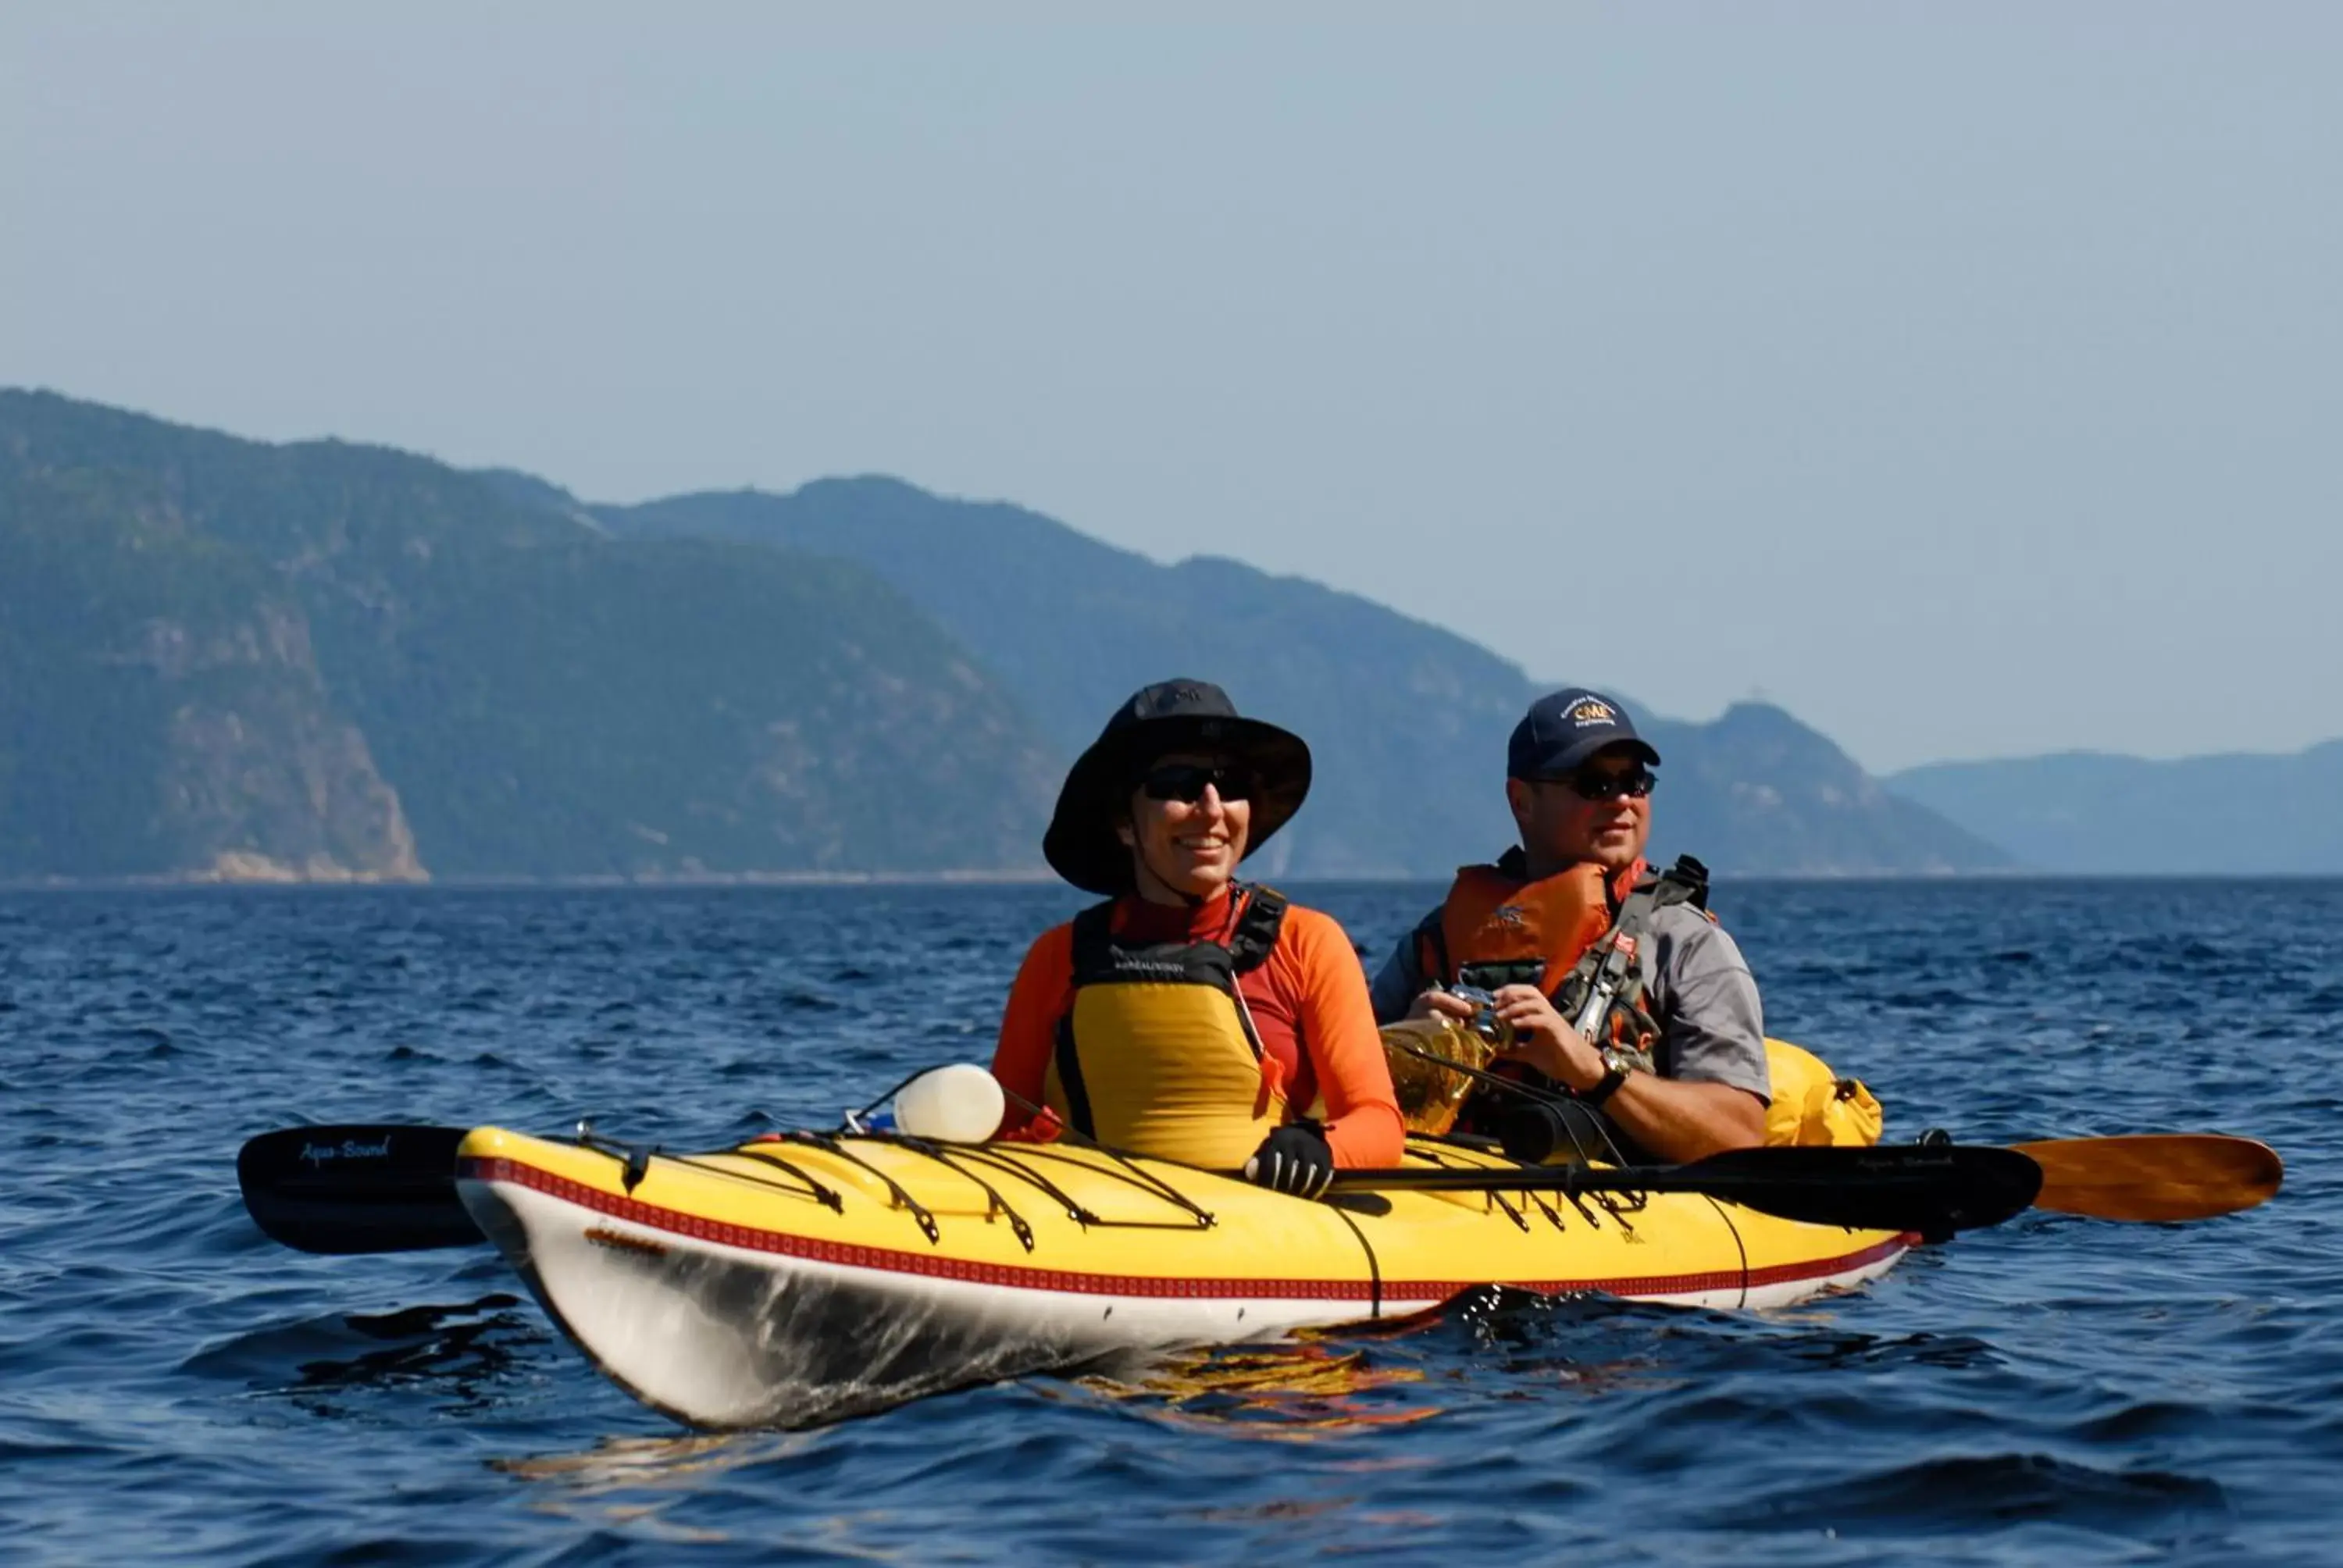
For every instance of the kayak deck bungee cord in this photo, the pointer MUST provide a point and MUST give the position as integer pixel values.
(806, 1276)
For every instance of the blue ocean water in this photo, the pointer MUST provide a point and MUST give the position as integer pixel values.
(175, 1388)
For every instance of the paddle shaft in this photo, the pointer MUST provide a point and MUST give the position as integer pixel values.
(386, 1189)
(1931, 1191)
(392, 1189)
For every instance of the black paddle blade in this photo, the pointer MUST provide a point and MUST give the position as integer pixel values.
(356, 1189)
(1934, 1191)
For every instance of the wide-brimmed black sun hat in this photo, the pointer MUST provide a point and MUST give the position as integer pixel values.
(1171, 715)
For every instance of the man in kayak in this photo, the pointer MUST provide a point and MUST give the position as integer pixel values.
(1680, 1068)
(1192, 1017)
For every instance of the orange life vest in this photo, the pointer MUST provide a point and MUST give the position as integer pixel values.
(1495, 929)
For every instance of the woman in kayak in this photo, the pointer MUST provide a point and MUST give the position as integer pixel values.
(1192, 1017)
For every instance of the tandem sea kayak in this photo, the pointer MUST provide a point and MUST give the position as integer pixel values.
(801, 1278)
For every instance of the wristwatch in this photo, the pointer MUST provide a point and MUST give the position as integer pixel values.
(1616, 1065)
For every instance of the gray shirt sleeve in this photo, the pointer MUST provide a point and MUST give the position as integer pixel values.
(1394, 989)
(1702, 995)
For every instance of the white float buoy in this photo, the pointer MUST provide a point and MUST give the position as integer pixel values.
(960, 1103)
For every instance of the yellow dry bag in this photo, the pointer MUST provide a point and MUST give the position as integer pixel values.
(1813, 1105)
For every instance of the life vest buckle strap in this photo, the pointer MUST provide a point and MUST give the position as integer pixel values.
(1257, 928)
(1497, 975)
(1069, 1080)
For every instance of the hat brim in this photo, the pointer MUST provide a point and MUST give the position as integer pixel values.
(1081, 845)
(1585, 751)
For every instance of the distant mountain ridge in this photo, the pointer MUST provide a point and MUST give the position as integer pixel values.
(1072, 626)
(1407, 721)
(322, 660)
(1755, 791)
(161, 708)
(2095, 813)
(319, 660)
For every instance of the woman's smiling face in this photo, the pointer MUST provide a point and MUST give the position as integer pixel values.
(1190, 814)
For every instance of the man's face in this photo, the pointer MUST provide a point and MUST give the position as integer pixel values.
(1560, 826)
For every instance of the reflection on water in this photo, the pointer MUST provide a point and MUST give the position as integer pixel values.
(605, 1486)
(1297, 1393)
(618, 1462)
(462, 1345)
(1334, 1383)
(466, 1352)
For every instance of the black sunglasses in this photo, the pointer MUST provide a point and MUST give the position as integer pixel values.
(1589, 785)
(1186, 781)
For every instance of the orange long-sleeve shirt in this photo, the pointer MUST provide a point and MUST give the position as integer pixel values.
(1309, 1005)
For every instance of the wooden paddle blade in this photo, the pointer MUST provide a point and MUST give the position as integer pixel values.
(2155, 1175)
(388, 1189)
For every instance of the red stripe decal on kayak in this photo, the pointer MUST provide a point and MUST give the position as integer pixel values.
(1666, 1284)
(496, 1168)
(1789, 1273)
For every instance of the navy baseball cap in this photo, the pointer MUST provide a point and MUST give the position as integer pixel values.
(1561, 731)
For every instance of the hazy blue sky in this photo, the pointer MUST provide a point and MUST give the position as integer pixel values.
(1965, 378)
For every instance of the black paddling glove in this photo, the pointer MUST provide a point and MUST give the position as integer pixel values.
(1293, 1158)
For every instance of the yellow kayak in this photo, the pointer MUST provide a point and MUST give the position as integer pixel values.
(801, 1278)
